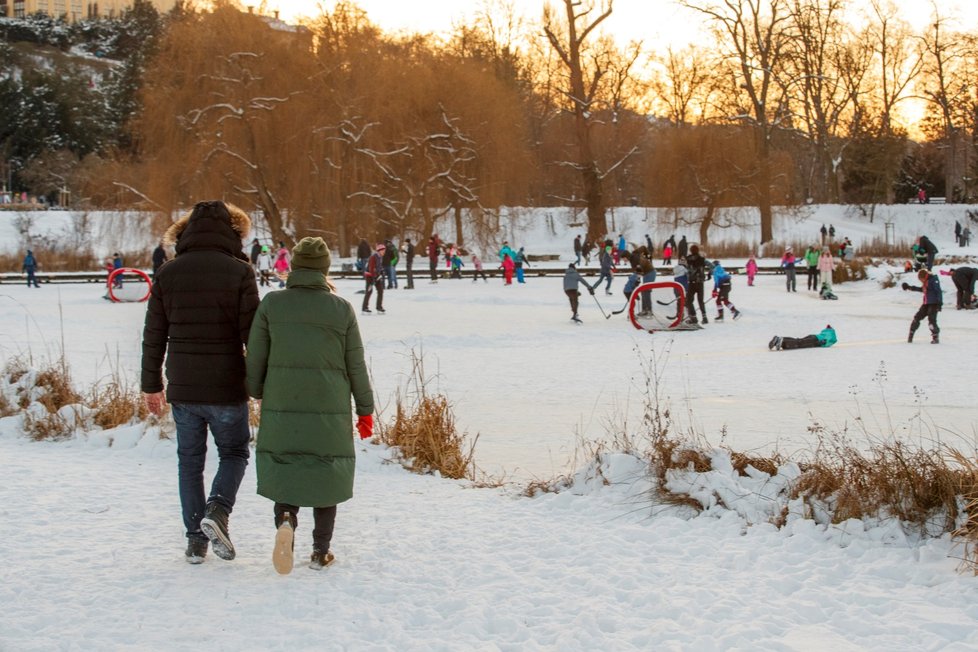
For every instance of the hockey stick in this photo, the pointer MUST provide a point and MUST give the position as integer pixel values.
(623, 309)
(666, 303)
(606, 315)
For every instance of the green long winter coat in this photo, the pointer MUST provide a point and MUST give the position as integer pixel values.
(305, 359)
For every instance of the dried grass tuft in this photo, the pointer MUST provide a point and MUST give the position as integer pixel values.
(768, 465)
(52, 426)
(967, 531)
(917, 486)
(14, 369)
(425, 432)
(6, 409)
(115, 405)
(56, 383)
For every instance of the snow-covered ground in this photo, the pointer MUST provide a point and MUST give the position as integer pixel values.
(93, 539)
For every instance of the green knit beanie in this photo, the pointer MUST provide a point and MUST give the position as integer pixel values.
(311, 253)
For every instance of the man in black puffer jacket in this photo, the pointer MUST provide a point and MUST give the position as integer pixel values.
(198, 317)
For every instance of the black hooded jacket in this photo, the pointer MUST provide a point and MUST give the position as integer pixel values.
(200, 310)
(927, 245)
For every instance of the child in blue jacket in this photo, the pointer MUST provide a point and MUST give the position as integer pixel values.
(721, 291)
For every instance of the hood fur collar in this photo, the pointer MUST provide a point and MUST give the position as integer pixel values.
(238, 219)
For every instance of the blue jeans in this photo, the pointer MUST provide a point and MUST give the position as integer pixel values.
(602, 276)
(229, 425)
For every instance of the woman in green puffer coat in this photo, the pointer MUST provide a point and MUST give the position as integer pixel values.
(305, 359)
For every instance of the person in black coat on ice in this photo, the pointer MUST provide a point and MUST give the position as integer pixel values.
(964, 282)
(696, 268)
(933, 299)
(159, 257)
(929, 248)
(682, 248)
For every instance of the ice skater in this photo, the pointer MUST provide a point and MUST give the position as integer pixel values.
(573, 278)
(721, 291)
(930, 287)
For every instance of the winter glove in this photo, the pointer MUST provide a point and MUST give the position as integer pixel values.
(590, 291)
(365, 426)
(716, 293)
(905, 285)
(155, 403)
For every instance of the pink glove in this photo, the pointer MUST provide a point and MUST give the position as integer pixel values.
(155, 403)
(365, 426)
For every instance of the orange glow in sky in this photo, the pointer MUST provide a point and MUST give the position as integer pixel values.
(657, 23)
(646, 20)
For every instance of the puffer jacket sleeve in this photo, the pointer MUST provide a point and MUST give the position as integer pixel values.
(256, 361)
(248, 303)
(356, 368)
(155, 331)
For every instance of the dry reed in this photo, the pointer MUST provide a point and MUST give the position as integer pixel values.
(424, 430)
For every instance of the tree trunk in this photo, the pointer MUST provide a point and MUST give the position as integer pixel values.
(764, 184)
(458, 225)
(705, 224)
(596, 223)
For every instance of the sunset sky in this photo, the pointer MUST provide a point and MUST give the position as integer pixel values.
(652, 21)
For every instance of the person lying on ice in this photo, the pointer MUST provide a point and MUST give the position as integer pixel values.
(824, 339)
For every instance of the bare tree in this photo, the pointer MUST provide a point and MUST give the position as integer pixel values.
(684, 84)
(821, 95)
(231, 125)
(945, 86)
(425, 175)
(899, 59)
(754, 38)
(568, 38)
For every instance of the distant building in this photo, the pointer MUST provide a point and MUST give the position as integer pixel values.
(74, 10)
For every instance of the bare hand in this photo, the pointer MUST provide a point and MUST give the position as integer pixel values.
(155, 403)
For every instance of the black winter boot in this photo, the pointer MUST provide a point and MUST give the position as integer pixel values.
(196, 550)
(910, 337)
(934, 338)
(215, 526)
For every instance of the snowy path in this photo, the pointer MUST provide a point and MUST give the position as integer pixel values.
(93, 561)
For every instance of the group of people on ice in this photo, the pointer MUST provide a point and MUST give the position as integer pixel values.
(819, 266)
(691, 271)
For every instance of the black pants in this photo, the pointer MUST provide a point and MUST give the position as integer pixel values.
(574, 297)
(696, 292)
(371, 284)
(723, 299)
(324, 518)
(409, 271)
(812, 278)
(928, 310)
(433, 265)
(965, 291)
(807, 342)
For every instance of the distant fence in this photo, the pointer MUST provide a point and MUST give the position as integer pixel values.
(347, 271)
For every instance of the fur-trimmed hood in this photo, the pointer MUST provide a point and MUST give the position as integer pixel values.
(210, 225)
